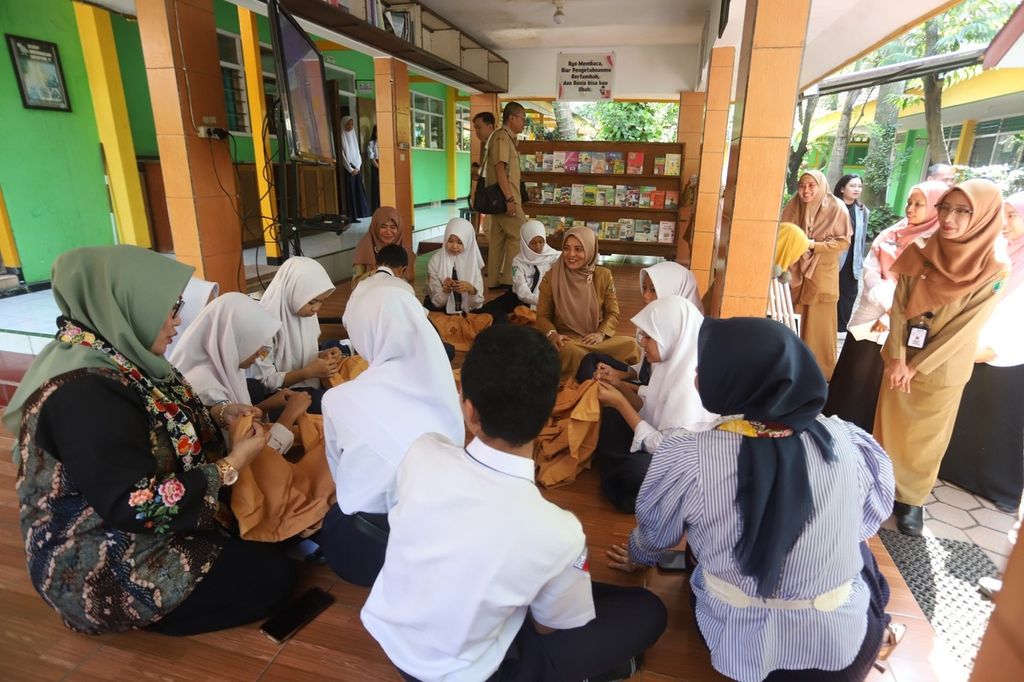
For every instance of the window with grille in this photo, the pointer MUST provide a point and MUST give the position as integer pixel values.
(233, 80)
(999, 142)
(463, 131)
(427, 122)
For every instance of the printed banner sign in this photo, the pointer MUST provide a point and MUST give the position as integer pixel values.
(585, 77)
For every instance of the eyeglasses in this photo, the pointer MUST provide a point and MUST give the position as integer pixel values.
(178, 305)
(957, 211)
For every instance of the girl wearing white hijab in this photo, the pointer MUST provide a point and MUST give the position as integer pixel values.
(632, 427)
(370, 422)
(454, 281)
(297, 292)
(221, 344)
(528, 268)
(198, 292)
(670, 278)
(352, 161)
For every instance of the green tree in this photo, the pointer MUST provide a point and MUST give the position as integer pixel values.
(633, 121)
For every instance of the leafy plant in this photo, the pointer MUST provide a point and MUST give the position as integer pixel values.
(633, 121)
(1009, 180)
(880, 218)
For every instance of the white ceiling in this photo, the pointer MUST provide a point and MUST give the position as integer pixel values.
(513, 24)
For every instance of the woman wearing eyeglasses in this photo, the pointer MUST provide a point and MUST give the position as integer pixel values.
(120, 465)
(947, 290)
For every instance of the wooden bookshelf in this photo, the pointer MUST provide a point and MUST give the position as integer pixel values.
(609, 213)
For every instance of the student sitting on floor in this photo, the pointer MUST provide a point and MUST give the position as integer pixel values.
(777, 505)
(454, 281)
(224, 341)
(528, 269)
(632, 427)
(197, 295)
(392, 264)
(663, 279)
(294, 296)
(577, 308)
(370, 422)
(483, 576)
(385, 230)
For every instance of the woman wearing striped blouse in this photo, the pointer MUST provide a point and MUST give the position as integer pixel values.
(776, 503)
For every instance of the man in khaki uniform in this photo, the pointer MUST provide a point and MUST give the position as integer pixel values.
(503, 170)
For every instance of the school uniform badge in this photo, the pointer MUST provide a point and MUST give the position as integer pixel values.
(583, 561)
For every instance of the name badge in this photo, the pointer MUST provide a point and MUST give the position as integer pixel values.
(918, 336)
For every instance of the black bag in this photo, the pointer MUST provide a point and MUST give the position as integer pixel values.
(489, 200)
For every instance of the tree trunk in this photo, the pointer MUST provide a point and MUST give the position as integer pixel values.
(937, 152)
(796, 157)
(565, 126)
(878, 162)
(835, 164)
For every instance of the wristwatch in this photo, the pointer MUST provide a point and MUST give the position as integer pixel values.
(228, 473)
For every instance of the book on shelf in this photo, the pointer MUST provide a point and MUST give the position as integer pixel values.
(548, 193)
(558, 164)
(632, 196)
(635, 163)
(534, 193)
(616, 163)
(594, 225)
(658, 199)
(549, 162)
(645, 196)
(576, 193)
(667, 232)
(642, 231)
(626, 227)
(671, 199)
(572, 162)
(598, 163)
(585, 162)
(620, 195)
(565, 195)
(538, 161)
(590, 195)
(659, 165)
(606, 195)
(527, 163)
(611, 230)
(673, 164)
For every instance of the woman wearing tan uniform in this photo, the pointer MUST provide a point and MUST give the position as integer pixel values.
(947, 290)
(577, 308)
(815, 277)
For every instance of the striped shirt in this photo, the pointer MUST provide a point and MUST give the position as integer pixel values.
(690, 489)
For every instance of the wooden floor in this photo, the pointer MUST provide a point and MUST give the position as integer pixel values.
(34, 645)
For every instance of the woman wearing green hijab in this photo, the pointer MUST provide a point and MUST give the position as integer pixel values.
(120, 467)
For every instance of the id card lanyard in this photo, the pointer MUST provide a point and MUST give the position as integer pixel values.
(918, 336)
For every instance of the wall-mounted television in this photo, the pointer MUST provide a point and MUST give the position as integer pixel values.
(300, 77)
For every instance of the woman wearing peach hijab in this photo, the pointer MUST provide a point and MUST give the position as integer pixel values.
(984, 454)
(854, 385)
(815, 277)
(385, 229)
(947, 291)
(577, 308)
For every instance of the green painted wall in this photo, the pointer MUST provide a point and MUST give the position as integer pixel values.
(910, 173)
(462, 179)
(136, 87)
(50, 168)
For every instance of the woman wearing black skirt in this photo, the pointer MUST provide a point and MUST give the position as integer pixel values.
(986, 452)
(853, 390)
(352, 162)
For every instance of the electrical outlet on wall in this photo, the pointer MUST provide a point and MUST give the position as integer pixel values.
(210, 132)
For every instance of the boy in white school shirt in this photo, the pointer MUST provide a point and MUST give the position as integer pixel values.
(483, 578)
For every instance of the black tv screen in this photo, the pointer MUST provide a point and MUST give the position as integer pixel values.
(300, 75)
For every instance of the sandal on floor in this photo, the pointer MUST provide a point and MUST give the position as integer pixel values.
(893, 636)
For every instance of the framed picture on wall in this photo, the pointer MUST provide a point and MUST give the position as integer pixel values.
(39, 74)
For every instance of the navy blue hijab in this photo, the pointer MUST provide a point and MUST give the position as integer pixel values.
(761, 369)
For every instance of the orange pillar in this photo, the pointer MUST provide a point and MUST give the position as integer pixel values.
(394, 137)
(689, 131)
(767, 87)
(179, 46)
(712, 160)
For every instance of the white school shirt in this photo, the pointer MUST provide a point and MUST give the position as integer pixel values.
(473, 545)
(445, 301)
(1004, 331)
(522, 275)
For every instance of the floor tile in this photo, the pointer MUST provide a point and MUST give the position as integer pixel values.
(951, 515)
(989, 539)
(944, 530)
(994, 519)
(956, 497)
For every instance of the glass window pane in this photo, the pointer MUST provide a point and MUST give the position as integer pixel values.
(234, 99)
(417, 101)
(981, 152)
(436, 106)
(347, 82)
(419, 129)
(267, 60)
(1007, 149)
(227, 49)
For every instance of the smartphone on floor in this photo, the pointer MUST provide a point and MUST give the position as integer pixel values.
(673, 560)
(293, 617)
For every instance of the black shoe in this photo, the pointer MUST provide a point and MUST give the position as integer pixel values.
(620, 672)
(909, 518)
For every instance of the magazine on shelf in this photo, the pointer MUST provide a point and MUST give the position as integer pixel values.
(576, 195)
(547, 192)
(658, 199)
(667, 231)
(594, 225)
(611, 230)
(558, 165)
(635, 163)
(590, 195)
(645, 196)
(616, 164)
(572, 162)
(534, 193)
(671, 199)
(606, 195)
(584, 162)
(626, 227)
(632, 196)
(598, 163)
(659, 165)
(526, 163)
(565, 195)
(549, 162)
(620, 195)
(673, 164)
(642, 231)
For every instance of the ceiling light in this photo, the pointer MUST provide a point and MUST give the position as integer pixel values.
(559, 14)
